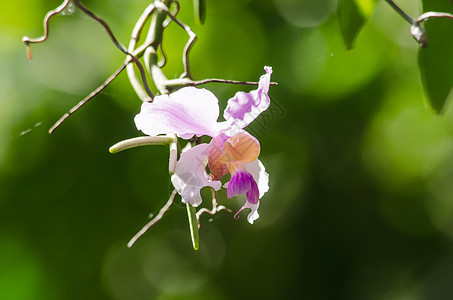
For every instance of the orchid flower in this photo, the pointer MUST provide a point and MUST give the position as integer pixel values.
(192, 111)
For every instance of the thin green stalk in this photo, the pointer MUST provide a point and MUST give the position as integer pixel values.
(193, 225)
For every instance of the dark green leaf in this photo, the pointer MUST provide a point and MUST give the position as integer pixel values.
(436, 61)
(353, 14)
(351, 21)
(199, 7)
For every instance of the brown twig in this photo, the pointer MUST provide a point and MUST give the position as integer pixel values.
(154, 220)
(215, 208)
(401, 12)
(117, 44)
(189, 44)
(417, 30)
(135, 36)
(433, 14)
(87, 98)
(173, 84)
(211, 80)
(42, 38)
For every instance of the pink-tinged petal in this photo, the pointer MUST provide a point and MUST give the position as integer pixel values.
(261, 179)
(216, 166)
(243, 108)
(240, 183)
(253, 214)
(256, 168)
(241, 147)
(253, 193)
(186, 112)
(190, 175)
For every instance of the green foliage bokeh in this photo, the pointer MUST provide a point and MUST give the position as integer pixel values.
(360, 203)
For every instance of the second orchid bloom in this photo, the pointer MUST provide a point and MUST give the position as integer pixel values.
(191, 111)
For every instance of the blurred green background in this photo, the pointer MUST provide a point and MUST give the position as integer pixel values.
(361, 197)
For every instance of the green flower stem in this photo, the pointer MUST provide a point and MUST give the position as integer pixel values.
(193, 225)
(156, 72)
(141, 141)
(141, 93)
(173, 155)
(154, 39)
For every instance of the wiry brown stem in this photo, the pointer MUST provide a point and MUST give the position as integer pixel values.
(87, 98)
(215, 208)
(135, 36)
(44, 37)
(137, 52)
(211, 80)
(154, 220)
(432, 14)
(117, 44)
(417, 30)
(189, 44)
(401, 12)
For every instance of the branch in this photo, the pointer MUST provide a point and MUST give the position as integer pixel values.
(135, 36)
(182, 82)
(41, 39)
(117, 44)
(401, 12)
(432, 14)
(136, 53)
(59, 9)
(215, 208)
(189, 44)
(142, 141)
(87, 98)
(154, 220)
(210, 80)
(418, 32)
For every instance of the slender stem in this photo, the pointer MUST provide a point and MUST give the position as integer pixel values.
(401, 12)
(173, 155)
(168, 21)
(117, 44)
(154, 220)
(137, 53)
(163, 60)
(210, 80)
(189, 44)
(87, 98)
(174, 84)
(154, 40)
(193, 225)
(433, 14)
(135, 36)
(41, 39)
(215, 208)
(141, 141)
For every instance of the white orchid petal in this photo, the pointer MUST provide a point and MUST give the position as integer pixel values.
(190, 175)
(243, 108)
(186, 112)
(256, 168)
(253, 214)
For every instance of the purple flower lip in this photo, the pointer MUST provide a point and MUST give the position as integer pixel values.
(243, 183)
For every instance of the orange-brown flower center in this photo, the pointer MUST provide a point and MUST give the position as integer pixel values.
(240, 148)
(228, 156)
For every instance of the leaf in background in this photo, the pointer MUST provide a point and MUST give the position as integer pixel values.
(436, 61)
(352, 15)
(199, 9)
